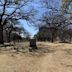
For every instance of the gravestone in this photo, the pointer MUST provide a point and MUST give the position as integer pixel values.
(33, 45)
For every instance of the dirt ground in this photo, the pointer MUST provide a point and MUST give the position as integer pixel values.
(50, 57)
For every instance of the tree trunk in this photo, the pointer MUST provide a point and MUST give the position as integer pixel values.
(8, 39)
(52, 37)
(1, 35)
(9, 34)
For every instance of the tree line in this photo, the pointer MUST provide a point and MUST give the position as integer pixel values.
(52, 15)
(55, 23)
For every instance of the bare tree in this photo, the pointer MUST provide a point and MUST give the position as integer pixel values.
(10, 29)
(66, 35)
(52, 17)
(54, 23)
(12, 11)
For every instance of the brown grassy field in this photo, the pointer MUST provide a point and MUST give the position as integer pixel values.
(50, 57)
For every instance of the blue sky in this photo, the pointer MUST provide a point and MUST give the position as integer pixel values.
(32, 30)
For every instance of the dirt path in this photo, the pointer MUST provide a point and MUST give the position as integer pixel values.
(58, 62)
(47, 63)
(57, 59)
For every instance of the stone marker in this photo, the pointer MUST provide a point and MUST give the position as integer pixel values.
(33, 45)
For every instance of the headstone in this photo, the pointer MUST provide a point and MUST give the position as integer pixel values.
(33, 44)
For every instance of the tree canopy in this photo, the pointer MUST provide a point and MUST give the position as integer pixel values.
(67, 7)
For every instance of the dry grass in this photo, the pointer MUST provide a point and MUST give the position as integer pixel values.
(50, 57)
